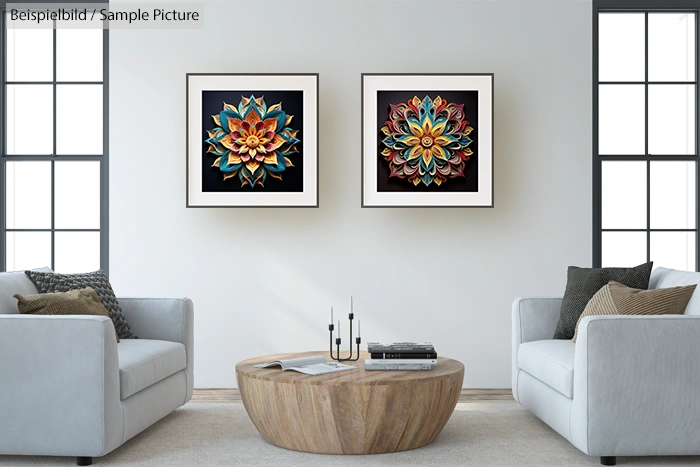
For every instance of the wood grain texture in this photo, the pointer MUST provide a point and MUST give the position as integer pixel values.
(467, 395)
(353, 412)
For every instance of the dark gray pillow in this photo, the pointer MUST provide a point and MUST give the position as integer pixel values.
(583, 283)
(52, 282)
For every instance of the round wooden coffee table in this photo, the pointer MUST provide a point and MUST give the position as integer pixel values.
(352, 412)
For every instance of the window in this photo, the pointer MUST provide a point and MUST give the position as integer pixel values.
(53, 143)
(645, 133)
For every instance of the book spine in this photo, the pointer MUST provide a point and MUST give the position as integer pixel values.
(398, 367)
(400, 349)
(407, 361)
(401, 355)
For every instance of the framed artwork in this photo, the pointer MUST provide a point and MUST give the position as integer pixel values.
(427, 140)
(252, 140)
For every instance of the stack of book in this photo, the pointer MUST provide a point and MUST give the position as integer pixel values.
(401, 356)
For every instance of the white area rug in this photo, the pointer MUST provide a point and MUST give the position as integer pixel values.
(478, 434)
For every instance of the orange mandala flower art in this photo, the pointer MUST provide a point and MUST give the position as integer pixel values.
(252, 141)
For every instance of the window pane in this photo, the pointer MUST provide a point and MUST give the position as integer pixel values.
(77, 252)
(675, 250)
(621, 47)
(28, 250)
(79, 119)
(79, 54)
(28, 195)
(624, 195)
(624, 249)
(77, 195)
(671, 119)
(671, 47)
(621, 119)
(29, 54)
(30, 119)
(673, 195)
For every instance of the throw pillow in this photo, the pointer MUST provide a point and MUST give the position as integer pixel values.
(617, 299)
(583, 283)
(76, 302)
(52, 282)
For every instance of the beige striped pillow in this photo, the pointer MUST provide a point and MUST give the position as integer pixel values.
(618, 299)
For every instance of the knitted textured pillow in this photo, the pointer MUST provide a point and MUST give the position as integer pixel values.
(52, 282)
(76, 302)
(617, 299)
(583, 283)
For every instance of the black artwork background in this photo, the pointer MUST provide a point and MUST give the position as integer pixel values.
(470, 181)
(292, 177)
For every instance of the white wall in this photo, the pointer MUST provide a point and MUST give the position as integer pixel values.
(262, 279)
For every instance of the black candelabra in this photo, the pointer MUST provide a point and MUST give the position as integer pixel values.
(331, 328)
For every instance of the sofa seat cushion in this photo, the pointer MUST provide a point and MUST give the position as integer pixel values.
(144, 362)
(550, 361)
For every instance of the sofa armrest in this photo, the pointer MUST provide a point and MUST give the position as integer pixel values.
(59, 385)
(636, 384)
(533, 319)
(166, 319)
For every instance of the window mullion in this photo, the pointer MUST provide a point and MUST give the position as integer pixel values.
(53, 164)
(697, 143)
(646, 81)
(639, 157)
(597, 160)
(3, 144)
(69, 82)
(646, 129)
(104, 161)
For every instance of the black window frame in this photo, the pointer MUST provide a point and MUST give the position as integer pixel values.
(102, 158)
(643, 6)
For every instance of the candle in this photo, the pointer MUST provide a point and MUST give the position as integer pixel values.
(358, 328)
(351, 304)
(337, 331)
(331, 319)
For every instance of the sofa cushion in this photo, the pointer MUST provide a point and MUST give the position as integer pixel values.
(76, 302)
(550, 361)
(617, 299)
(144, 362)
(662, 278)
(52, 282)
(583, 283)
(12, 283)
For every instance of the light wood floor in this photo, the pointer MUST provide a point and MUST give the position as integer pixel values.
(468, 395)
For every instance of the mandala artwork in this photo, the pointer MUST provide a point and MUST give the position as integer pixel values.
(252, 141)
(426, 141)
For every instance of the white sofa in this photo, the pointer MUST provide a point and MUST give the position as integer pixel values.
(629, 386)
(68, 389)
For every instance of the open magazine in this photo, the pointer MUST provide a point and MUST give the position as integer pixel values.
(308, 365)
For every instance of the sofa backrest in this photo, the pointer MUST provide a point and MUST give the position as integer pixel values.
(663, 277)
(12, 283)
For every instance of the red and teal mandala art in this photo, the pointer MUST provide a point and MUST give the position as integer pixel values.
(426, 141)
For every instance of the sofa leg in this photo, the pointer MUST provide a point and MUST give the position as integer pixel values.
(88, 461)
(608, 460)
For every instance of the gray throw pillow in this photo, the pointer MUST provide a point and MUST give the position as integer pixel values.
(583, 283)
(52, 282)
